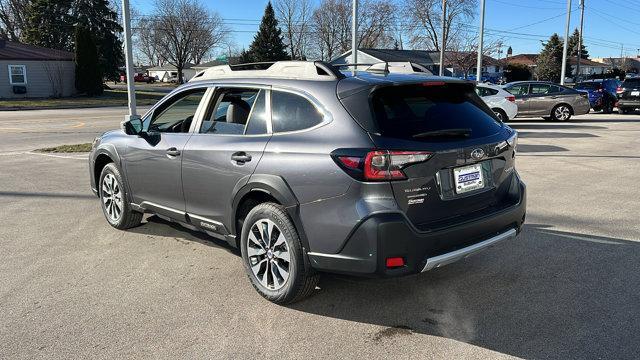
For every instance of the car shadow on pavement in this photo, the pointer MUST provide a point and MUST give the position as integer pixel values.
(539, 148)
(156, 226)
(553, 135)
(549, 294)
(554, 126)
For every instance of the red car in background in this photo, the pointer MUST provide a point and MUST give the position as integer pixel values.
(139, 77)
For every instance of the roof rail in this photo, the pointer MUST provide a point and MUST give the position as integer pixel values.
(397, 67)
(303, 70)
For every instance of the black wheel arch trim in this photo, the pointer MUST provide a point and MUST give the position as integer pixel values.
(277, 187)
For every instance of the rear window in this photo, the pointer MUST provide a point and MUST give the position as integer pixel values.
(405, 111)
(634, 83)
(589, 86)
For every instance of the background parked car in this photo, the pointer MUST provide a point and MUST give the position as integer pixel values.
(602, 93)
(499, 100)
(548, 100)
(139, 77)
(629, 95)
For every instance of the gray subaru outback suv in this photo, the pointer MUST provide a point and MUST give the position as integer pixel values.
(307, 169)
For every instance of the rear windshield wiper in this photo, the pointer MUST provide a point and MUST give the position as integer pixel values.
(445, 133)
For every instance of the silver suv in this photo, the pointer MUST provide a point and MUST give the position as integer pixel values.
(308, 169)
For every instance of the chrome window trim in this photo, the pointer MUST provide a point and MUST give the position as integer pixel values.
(170, 96)
(215, 87)
(327, 117)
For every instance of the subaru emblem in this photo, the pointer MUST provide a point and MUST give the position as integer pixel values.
(477, 154)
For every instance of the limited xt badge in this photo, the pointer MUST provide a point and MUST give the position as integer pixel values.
(477, 154)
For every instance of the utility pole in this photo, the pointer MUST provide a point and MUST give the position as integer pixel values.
(354, 35)
(563, 71)
(131, 90)
(444, 29)
(481, 37)
(580, 38)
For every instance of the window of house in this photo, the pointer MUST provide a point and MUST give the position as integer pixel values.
(17, 74)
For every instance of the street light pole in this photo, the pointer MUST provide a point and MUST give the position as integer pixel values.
(126, 19)
(563, 71)
(580, 38)
(354, 35)
(444, 29)
(481, 37)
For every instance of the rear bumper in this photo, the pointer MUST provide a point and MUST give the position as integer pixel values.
(629, 104)
(390, 234)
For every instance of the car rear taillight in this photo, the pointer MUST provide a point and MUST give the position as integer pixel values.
(619, 90)
(381, 165)
(511, 98)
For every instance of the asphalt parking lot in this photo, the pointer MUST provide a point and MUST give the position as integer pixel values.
(73, 287)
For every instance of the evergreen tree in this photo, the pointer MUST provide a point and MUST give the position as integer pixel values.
(49, 24)
(268, 45)
(100, 20)
(550, 60)
(573, 46)
(88, 75)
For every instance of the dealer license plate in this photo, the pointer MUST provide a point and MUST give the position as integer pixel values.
(468, 178)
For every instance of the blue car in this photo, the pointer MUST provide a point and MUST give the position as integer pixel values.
(602, 93)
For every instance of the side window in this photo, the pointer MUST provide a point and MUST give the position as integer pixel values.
(481, 91)
(521, 89)
(540, 89)
(233, 109)
(177, 114)
(555, 90)
(291, 112)
(257, 122)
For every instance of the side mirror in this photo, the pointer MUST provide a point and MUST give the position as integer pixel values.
(132, 127)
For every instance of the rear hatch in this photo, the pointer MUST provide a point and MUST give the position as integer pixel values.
(470, 165)
(630, 90)
(593, 88)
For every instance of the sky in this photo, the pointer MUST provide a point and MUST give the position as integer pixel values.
(611, 27)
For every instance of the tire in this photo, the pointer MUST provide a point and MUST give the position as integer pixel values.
(561, 112)
(276, 279)
(623, 111)
(114, 199)
(500, 114)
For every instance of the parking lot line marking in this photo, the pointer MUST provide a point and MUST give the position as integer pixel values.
(78, 125)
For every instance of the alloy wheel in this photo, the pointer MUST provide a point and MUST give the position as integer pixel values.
(112, 197)
(499, 115)
(562, 113)
(268, 254)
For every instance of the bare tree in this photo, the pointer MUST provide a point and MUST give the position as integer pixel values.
(425, 21)
(186, 31)
(147, 40)
(462, 52)
(13, 15)
(332, 26)
(55, 74)
(375, 23)
(294, 16)
(215, 35)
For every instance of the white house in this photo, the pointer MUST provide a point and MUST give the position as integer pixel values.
(169, 73)
(28, 71)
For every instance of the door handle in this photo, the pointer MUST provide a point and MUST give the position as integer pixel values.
(241, 157)
(173, 152)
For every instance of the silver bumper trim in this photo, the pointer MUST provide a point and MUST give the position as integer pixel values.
(448, 258)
